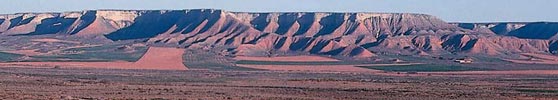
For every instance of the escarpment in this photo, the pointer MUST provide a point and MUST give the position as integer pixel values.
(260, 34)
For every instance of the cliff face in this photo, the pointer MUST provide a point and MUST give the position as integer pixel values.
(345, 34)
(535, 30)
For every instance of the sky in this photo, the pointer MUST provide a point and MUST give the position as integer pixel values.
(448, 10)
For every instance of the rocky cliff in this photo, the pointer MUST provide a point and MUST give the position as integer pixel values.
(338, 34)
(534, 30)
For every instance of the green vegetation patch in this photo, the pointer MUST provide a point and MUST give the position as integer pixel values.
(5, 57)
(425, 68)
(251, 62)
(95, 54)
(537, 90)
(94, 48)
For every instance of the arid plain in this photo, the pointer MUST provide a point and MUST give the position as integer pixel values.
(217, 54)
(284, 77)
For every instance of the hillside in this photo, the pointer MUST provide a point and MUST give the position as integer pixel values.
(267, 34)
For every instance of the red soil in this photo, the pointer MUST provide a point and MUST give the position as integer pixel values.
(161, 58)
(157, 58)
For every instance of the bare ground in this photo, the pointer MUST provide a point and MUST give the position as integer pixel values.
(158, 58)
(49, 83)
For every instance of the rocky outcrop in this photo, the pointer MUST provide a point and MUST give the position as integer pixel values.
(81, 23)
(539, 30)
(535, 30)
(476, 44)
(338, 34)
(491, 28)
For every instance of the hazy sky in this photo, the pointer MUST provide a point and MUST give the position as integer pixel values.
(449, 10)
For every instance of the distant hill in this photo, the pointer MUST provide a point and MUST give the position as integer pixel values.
(322, 33)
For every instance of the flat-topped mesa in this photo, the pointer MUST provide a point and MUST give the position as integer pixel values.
(492, 28)
(324, 33)
(338, 24)
(101, 22)
(346, 16)
(526, 30)
(290, 23)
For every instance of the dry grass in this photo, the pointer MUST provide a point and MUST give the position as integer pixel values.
(69, 83)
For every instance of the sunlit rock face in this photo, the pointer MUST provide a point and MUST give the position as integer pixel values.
(336, 34)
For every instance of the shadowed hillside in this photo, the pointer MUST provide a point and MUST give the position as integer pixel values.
(265, 34)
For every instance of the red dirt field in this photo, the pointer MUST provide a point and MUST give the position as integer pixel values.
(287, 58)
(157, 58)
(161, 58)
